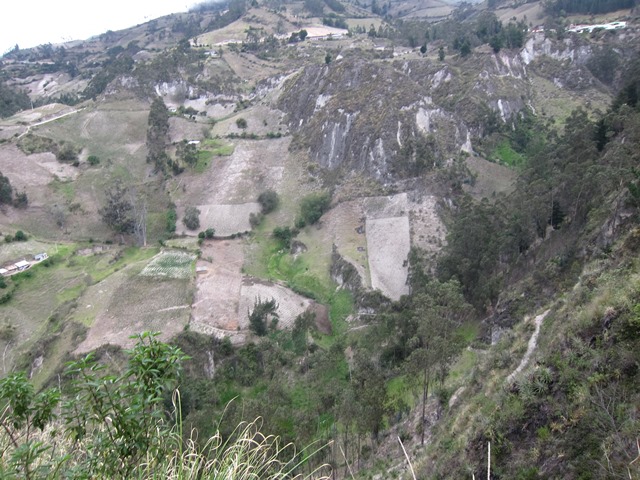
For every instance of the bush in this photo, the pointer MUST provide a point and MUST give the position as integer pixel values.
(255, 219)
(93, 160)
(191, 218)
(268, 201)
(20, 236)
(21, 200)
(312, 207)
(241, 123)
(284, 235)
(172, 217)
(8, 238)
(127, 425)
(262, 312)
(67, 153)
(209, 233)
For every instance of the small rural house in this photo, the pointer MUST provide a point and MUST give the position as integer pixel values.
(38, 257)
(3, 271)
(22, 265)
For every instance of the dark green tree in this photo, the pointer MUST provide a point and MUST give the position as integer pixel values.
(268, 201)
(11, 100)
(191, 218)
(438, 310)
(6, 191)
(312, 207)
(117, 212)
(187, 153)
(262, 316)
(157, 134)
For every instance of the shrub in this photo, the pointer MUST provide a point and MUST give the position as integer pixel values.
(209, 233)
(262, 312)
(8, 331)
(120, 426)
(312, 207)
(172, 217)
(67, 153)
(268, 201)
(21, 200)
(93, 160)
(191, 218)
(241, 123)
(8, 238)
(255, 219)
(284, 235)
(20, 236)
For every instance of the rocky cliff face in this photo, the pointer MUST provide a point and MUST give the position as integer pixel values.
(395, 119)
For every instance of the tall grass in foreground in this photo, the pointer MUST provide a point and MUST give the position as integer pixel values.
(116, 427)
(250, 455)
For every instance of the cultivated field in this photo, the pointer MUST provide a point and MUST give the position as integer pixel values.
(388, 245)
(254, 166)
(427, 230)
(156, 298)
(490, 178)
(290, 304)
(226, 219)
(224, 296)
(217, 299)
(170, 264)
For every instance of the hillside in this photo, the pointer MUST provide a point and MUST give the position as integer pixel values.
(362, 223)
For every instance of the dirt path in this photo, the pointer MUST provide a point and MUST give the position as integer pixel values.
(42, 122)
(533, 343)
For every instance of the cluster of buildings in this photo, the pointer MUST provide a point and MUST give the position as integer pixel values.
(598, 26)
(584, 28)
(22, 265)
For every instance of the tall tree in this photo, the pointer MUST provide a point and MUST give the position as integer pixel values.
(118, 211)
(438, 311)
(6, 191)
(157, 131)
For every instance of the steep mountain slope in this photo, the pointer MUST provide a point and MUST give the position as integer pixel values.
(427, 206)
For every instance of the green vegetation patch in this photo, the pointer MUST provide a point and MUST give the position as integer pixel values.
(204, 161)
(211, 148)
(31, 144)
(507, 155)
(172, 264)
(218, 148)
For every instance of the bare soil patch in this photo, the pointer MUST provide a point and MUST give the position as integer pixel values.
(388, 245)
(290, 304)
(31, 171)
(183, 129)
(323, 322)
(347, 227)
(139, 304)
(254, 166)
(217, 298)
(261, 120)
(227, 220)
(346, 224)
(427, 230)
(224, 296)
(491, 178)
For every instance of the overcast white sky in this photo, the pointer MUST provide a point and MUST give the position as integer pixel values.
(34, 22)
